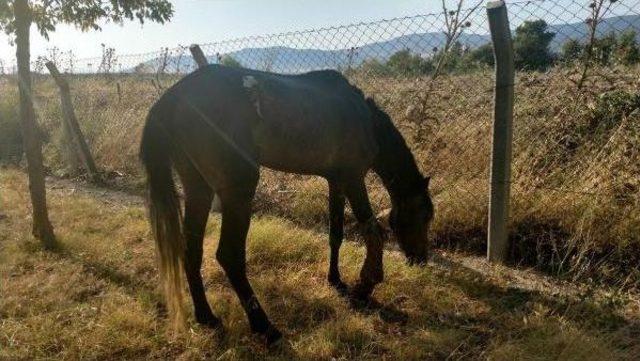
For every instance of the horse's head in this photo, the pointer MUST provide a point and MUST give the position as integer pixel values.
(410, 219)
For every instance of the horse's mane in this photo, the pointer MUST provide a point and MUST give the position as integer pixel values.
(394, 163)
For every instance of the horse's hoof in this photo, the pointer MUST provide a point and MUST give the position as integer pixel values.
(211, 322)
(361, 292)
(340, 286)
(273, 336)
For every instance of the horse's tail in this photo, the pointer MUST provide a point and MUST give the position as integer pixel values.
(164, 211)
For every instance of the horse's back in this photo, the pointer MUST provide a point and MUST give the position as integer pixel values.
(306, 123)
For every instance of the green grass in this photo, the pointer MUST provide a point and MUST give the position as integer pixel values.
(96, 298)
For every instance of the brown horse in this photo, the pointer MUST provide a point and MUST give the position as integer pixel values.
(218, 125)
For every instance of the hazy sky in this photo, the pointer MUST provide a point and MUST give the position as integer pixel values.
(199, 21)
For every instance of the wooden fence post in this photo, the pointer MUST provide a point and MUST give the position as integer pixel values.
(198, 55)
(201, 60)
(69, 117)
(498, 236)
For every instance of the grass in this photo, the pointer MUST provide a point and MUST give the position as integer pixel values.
(96, 297)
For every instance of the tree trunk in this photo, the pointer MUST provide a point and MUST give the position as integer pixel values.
(71, 122)
(42, 228)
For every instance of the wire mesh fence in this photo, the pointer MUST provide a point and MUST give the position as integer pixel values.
(576, 132)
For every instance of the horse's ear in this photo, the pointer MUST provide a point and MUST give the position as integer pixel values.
(426, 181)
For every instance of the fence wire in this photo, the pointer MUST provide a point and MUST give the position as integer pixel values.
(433, 73)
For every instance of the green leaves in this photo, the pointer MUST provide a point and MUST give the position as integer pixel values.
(531, 45)
(86, 14)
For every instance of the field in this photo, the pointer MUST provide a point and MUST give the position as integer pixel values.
(575, 189)
(96, 297)
(575, 227)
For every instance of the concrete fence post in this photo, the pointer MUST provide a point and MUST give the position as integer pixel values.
(498, 236)
(201, 60)
(198, 55)
(72, 126)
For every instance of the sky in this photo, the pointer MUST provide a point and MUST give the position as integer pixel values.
(206, 21)
(203, 21)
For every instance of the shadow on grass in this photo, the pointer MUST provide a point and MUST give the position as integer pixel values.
(579, 309)
(507, 307)
(129, 284)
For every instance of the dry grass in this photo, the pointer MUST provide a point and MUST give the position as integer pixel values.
(576, 190)
(96, 298)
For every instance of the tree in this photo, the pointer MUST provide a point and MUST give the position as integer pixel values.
(16, 18)
(531, 45)
(572, 51)
(230, 61)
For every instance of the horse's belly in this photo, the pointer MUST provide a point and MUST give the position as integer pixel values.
(298, 156)
(311, 150)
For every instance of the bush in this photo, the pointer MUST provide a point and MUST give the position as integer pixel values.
(482, 55)
(572, 51)
(613, 106)
(10, 134)
(373, 67)
(604, 48)
(628, 52)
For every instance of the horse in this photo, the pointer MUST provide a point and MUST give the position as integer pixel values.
(218, 125)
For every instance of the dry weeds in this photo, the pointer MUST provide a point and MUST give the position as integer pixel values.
(96, 297)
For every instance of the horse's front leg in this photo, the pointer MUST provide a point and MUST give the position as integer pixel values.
(372, 272)
(231, 254)
(336, 234)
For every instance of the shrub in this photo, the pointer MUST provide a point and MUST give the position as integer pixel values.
(628, 52)
(604, 48)
(612, 106)
(404, 63)
(482, 55)
(572, 51)
(373, 67)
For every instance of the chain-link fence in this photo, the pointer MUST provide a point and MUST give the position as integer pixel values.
(576, 174)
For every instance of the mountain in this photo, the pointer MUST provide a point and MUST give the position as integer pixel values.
(297, 60)
(580, 31)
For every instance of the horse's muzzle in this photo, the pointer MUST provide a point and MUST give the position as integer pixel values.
(414, 260)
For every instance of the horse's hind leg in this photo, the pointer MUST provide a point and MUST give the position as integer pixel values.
(336, 234)
(198, 197)
(371, 273)
(231, 254)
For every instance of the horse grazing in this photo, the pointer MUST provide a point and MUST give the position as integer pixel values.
(218, 125)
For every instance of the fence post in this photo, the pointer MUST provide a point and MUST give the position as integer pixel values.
(198, 55)
(201, 60)
(498, 237)
(69, 117)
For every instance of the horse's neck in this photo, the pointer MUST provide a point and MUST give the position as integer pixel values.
(395, 164)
